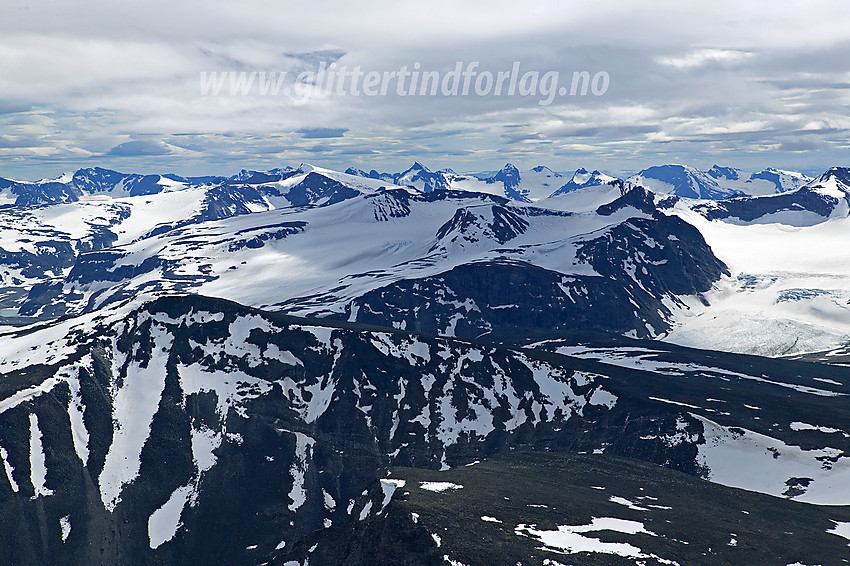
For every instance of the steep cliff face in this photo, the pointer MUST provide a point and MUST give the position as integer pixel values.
(191, 428)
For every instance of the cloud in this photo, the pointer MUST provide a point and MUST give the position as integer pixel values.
(802, 144)
(8, 107)
(138, 148)
(691, 81)
(6, 142)
(701, 57)
(520, 137)
(357, 151)
(318, 133)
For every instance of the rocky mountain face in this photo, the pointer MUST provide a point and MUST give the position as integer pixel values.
(190, 429)
(530, 185)
(748, 209)
(417, 176)
(726, 173)
(718, 183)
(510, 178)
(759, 183)
(41, 244)
(127, 437)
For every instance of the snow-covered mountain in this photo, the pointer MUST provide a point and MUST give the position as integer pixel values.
(721, 174)
(422, 178)
(108, 244)
(529, 186)
(718, 182)
(72, 187)
(114, 446)
(417, 176)
(537, 183)
(225, 369)
(766, 182)
(33, 193)
(39, 244)
(582, 179)
(682, 181)
(623, 268)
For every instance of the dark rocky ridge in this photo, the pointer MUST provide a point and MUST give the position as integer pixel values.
(291, 411)
(368, 423)
(753, 208)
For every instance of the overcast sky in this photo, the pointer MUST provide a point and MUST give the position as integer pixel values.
(117, 84)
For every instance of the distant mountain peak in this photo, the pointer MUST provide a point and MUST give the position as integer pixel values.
(682, 180)
(419, 176)
(583, 178)
(542, 168)
(719, 172)
(510, 177)
(834, 182)
(841, 174)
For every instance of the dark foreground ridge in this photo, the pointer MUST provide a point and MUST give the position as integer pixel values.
(192, 430)
(543, 508)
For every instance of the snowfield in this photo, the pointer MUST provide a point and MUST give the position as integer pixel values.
(789, 291)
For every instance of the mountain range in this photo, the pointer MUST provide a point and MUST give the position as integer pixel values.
(302, 366)
(531, 185)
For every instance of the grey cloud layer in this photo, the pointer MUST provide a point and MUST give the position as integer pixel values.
(118, 84)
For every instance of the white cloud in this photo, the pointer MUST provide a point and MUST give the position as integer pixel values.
(700, 57)
(79, 80)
